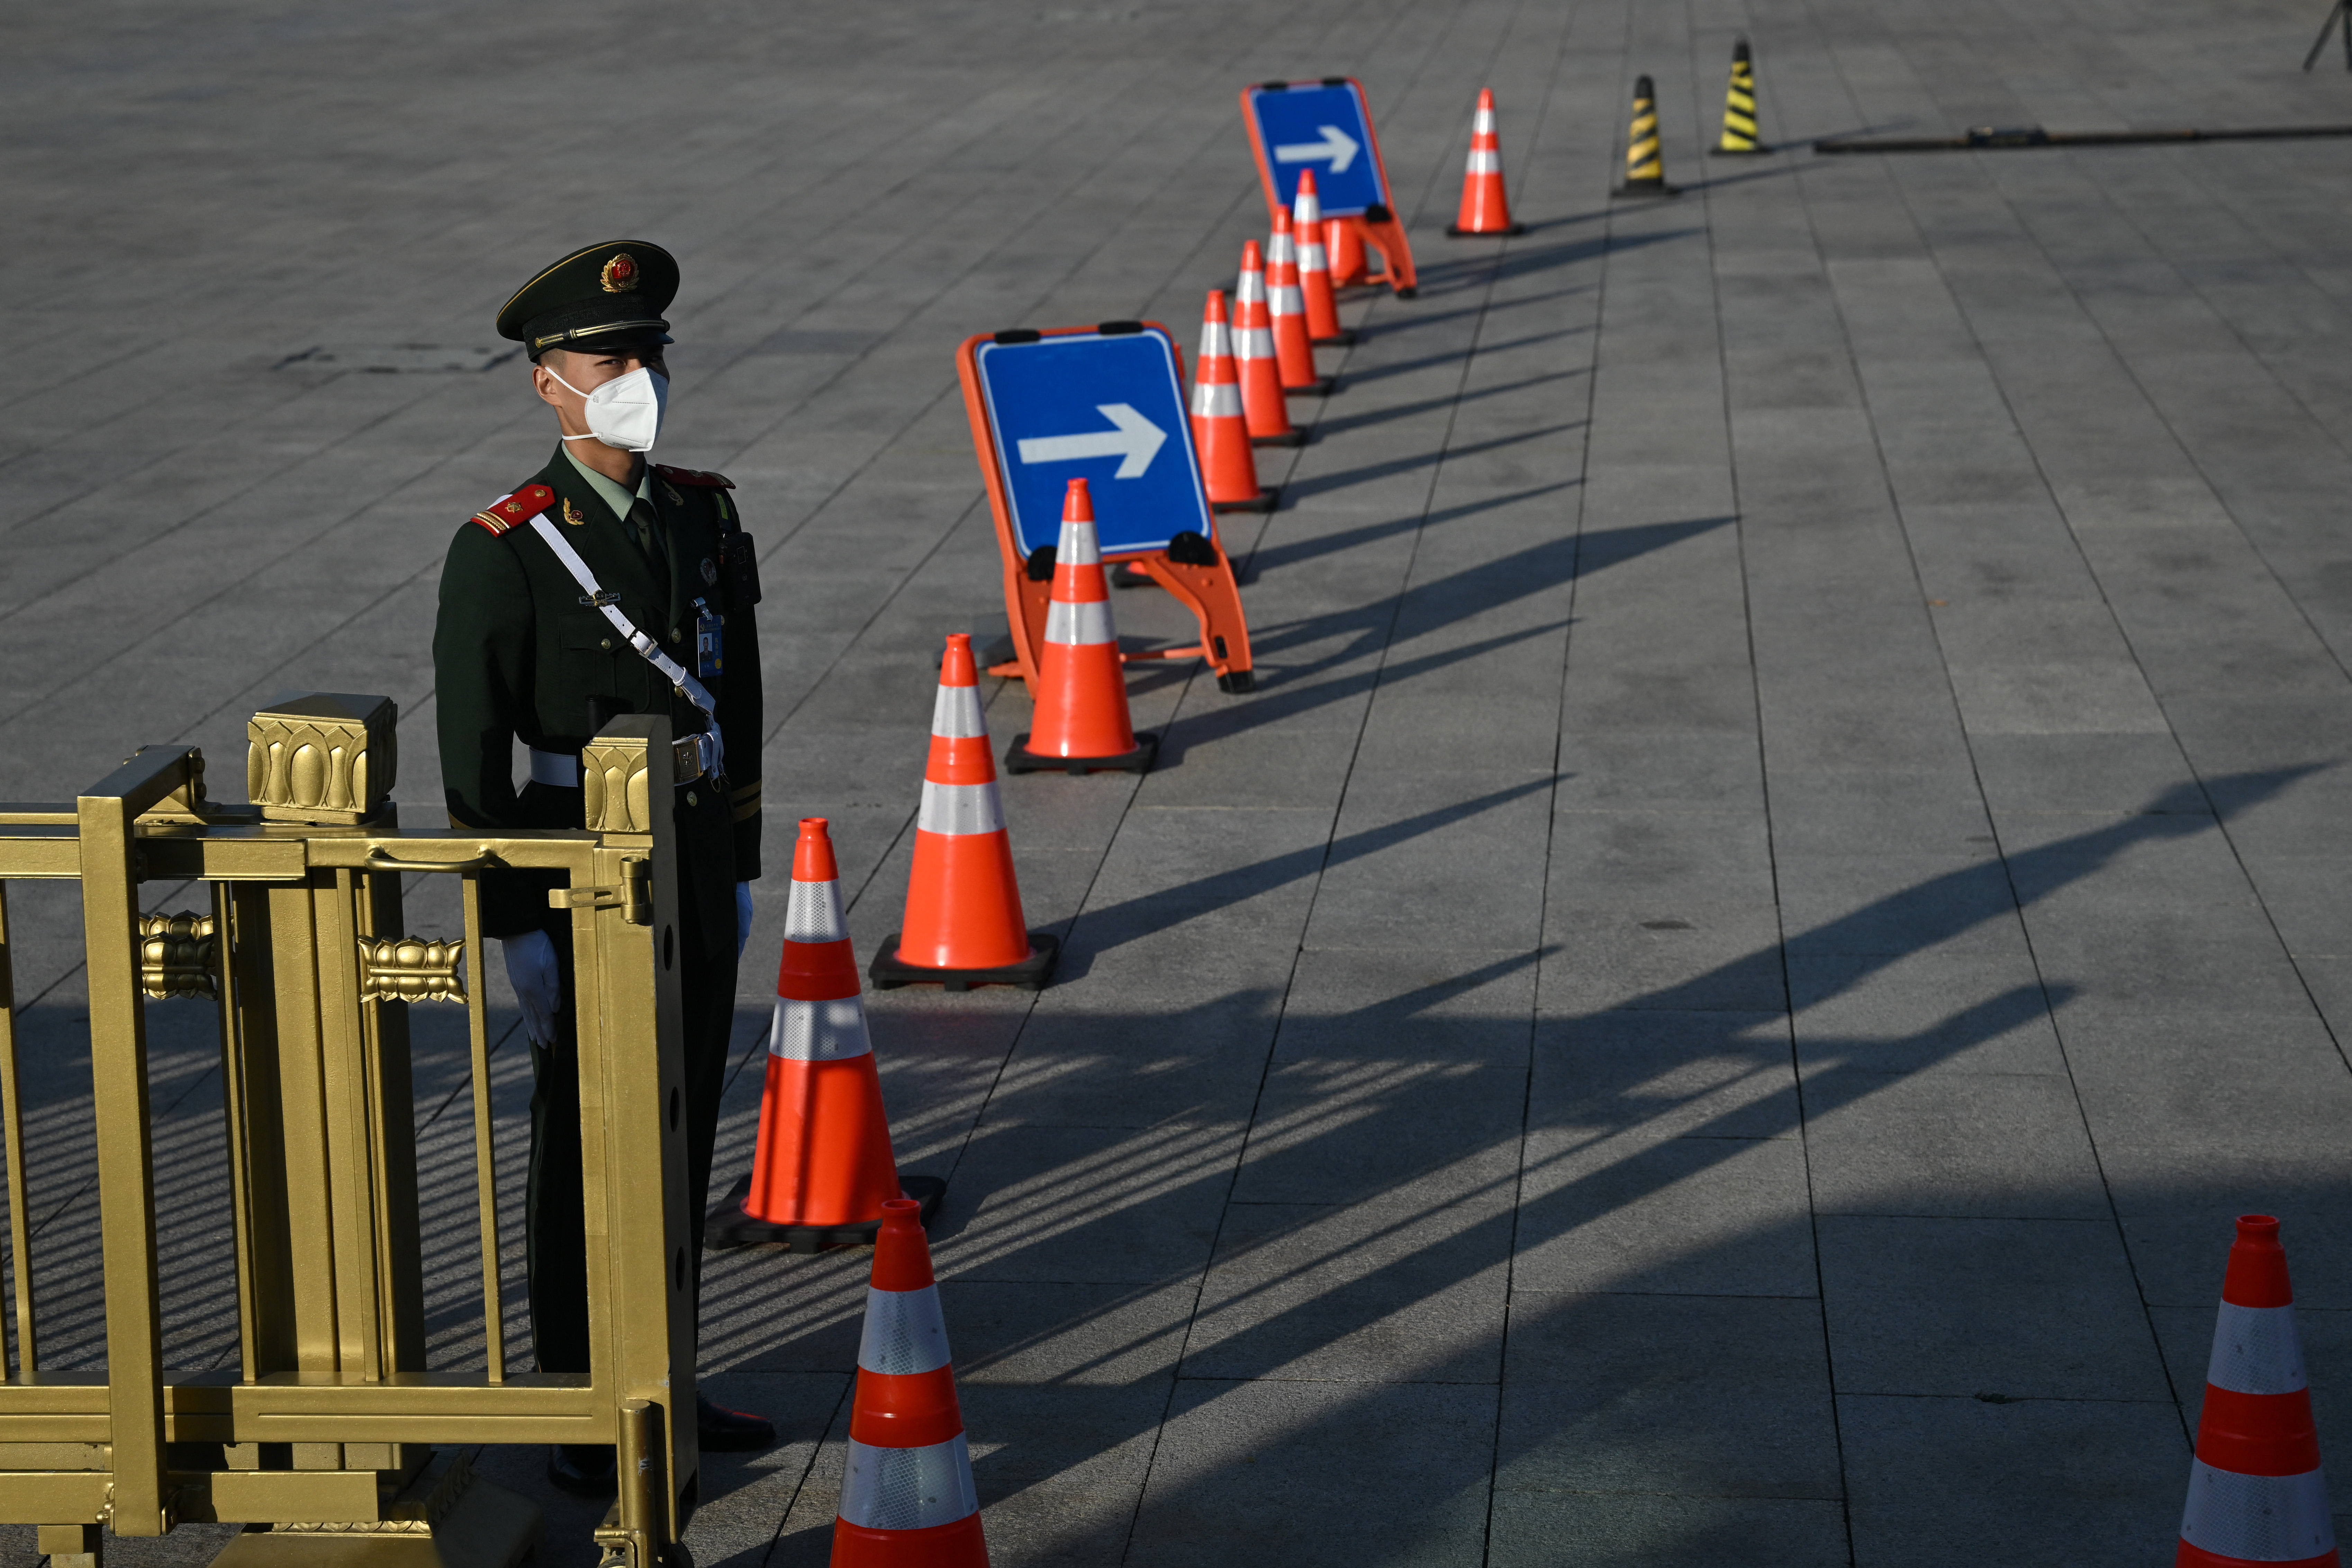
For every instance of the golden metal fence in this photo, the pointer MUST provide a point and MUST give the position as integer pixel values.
(327, 1429)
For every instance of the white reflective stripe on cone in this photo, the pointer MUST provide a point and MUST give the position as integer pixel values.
(1080, 625)
(1310, 259)
(1216, 399)
(1214, 343)
(908, 1488)
(2256, 1350)
(1251, 290)
(960, 809)
(1280, 247)
(1306, 209)
(955, 713)
(2268, 1518)
(1482, 123)
(1076, 545)
(819, 1031)
(1253, 342)
(813, 912)
(1285, 301)
(905, 1332)
(1485, 164)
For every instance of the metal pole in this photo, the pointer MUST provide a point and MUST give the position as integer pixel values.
(20, 1222)
(486, 1170)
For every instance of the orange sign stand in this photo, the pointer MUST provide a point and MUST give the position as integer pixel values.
(1371, 223)
(1192, 567)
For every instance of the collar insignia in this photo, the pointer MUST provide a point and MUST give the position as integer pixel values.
(670, 491)
(572, 514)
(710, 572)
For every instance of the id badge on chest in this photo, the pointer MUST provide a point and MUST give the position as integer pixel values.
(710, 641)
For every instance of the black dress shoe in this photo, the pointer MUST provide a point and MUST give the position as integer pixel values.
(583, 1469)
(723, 1431)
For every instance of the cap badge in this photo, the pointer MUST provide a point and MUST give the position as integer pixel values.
(620, 274)
(572, 514)
(710, 572)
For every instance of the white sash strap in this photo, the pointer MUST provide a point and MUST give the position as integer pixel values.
(671, 669)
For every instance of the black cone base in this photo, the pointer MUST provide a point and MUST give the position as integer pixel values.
(1264, 500)
(1454, 232)
(1322, 387)
(889, 973)
(1414, 293)
(1646, 188)
(728, 1226)
(1020, 759)
(1344, 338)
(1287, 438)
(1737, 151)
(1237, 681)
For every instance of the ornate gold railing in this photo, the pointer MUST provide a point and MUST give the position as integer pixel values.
(327, 1428)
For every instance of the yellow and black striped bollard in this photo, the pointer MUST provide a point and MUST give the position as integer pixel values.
(1740, 105)
(1646, 163)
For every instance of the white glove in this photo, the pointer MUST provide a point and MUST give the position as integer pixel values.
(742, 916)
(538, 984)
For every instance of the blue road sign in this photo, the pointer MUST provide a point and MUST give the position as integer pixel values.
(1325, 128)
(1108, 409)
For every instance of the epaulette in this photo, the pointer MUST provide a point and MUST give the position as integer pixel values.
(510, 511)
(695, 476)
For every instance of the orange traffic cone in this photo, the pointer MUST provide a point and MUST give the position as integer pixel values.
(1264, 408)
(1314, 272)
(823, 1168)
(1485, 207)
(1082, 722)
(1294, 352)
(1220, 433)
(2256, 1494)
(1344, 253)
(906, 1496)
(964, 926)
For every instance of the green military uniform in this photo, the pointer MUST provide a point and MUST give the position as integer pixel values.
(519, 652)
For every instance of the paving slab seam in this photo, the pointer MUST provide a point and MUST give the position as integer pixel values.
(1968, 742)
(1013, 1047)
(1726, 373)
(782, 159)
(1193, 1315)
(2155, 406)
(424, 391)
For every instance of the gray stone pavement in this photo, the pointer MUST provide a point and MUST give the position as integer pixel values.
(1783, 882)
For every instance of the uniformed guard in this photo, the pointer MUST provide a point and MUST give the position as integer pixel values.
(605, 584)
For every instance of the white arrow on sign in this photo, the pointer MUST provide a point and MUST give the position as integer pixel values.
(1135, 443)
(1337, 145)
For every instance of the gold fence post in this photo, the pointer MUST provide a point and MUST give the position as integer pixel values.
(250, 955)
(633, 1125)
(126, 1184)
(12, 1117)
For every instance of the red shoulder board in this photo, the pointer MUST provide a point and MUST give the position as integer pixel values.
(513, 510)
(695, 476)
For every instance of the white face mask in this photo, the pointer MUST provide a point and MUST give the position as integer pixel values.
(624, 411)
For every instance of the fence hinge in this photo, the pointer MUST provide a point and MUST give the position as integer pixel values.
(633, 897)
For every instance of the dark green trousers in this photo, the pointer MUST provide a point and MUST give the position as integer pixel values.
(554, 1214)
